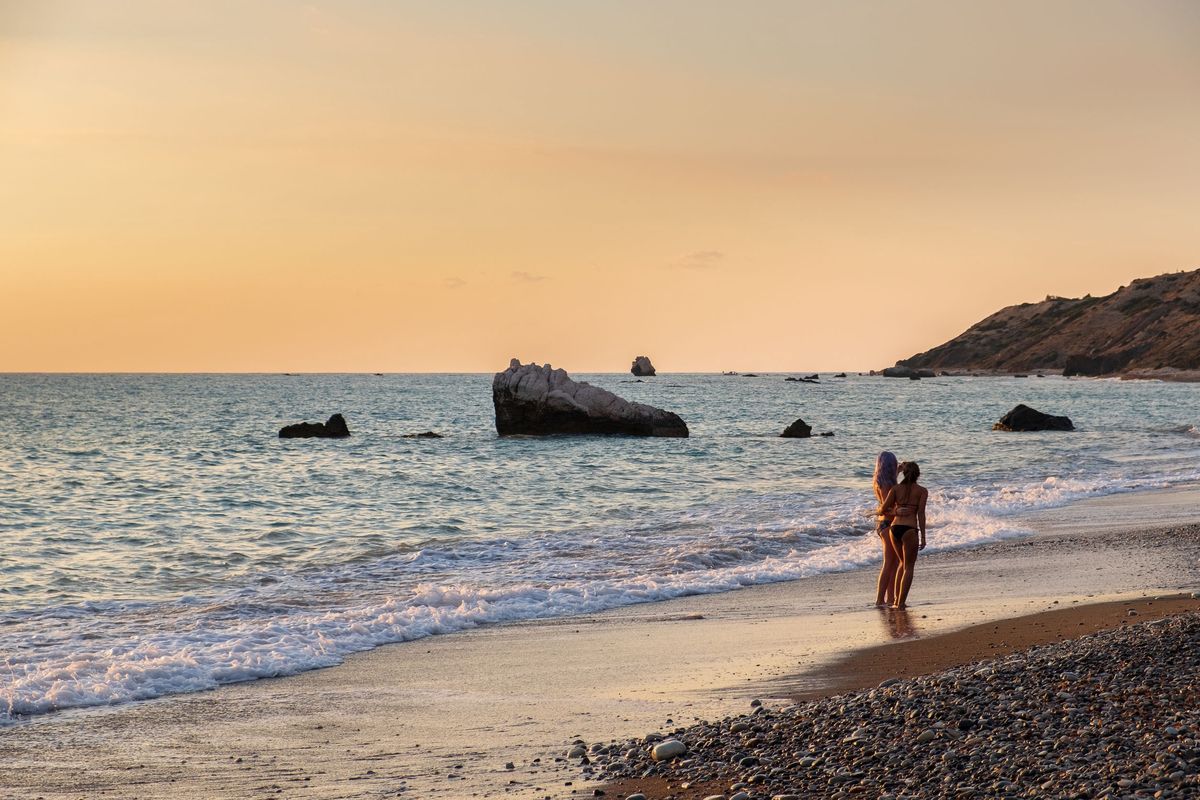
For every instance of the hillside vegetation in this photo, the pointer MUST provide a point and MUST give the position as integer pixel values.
(1151, 324)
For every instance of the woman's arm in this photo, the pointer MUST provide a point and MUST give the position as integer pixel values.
(921, 516)
(888, 502)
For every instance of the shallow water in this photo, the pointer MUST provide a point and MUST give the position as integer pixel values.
(160, 537)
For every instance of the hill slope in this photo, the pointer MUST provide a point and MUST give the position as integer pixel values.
(1152, 324)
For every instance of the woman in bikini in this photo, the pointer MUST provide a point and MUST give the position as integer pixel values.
(905, 504)
(885, 479)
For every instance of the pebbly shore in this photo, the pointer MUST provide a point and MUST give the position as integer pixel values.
(1114, 714)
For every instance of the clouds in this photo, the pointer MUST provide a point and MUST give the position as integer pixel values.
(701, 260)
(520, 276)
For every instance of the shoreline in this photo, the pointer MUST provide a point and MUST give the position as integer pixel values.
(444, 716)
(998, 709)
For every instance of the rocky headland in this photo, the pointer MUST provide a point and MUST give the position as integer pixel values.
(1150, 328)
(533, 400)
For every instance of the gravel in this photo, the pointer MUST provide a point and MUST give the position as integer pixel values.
(1110, 715)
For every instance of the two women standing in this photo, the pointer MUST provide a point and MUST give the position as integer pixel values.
(900, 526)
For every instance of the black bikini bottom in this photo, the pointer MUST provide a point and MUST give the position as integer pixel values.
(898, 531)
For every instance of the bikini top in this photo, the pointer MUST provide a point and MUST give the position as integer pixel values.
(909, 507)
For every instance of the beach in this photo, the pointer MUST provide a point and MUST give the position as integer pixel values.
(445, 716)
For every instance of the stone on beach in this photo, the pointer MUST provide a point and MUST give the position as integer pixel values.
(535, 400)
(333, 428)
(797, 430)
(1024, 418)
(665, 751)
(642, 367)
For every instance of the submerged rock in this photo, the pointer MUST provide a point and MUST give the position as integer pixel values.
(425, 435)
(797, 430)
(1024, 418)
(333, 428)
(642, 367)
(535, 400)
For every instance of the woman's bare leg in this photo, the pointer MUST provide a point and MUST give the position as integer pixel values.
(904, 574)
(885, 587)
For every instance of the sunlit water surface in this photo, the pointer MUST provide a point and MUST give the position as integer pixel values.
(159, 537)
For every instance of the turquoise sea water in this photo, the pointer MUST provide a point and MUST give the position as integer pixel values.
(159, 537)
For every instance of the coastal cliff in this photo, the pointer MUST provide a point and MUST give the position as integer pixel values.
(1150, 327)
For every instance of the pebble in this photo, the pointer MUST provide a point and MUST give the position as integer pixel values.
(1127, 728)
(665, 751)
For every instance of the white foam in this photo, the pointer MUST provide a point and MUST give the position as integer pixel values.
(133, 652)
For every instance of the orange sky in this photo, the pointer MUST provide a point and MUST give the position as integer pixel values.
(393, 186)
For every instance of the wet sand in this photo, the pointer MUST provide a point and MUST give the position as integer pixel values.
(442, 717)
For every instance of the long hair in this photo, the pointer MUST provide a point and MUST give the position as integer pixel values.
(885, 471)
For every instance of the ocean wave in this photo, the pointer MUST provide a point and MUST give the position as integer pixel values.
(140, 651)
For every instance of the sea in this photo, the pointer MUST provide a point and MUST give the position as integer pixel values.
(159, 538)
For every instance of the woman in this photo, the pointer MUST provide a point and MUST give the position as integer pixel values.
(905, 504)
(885, 479)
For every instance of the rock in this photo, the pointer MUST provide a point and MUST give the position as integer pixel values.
(665, 751)
(927, 735)
(637, 796)
(889, 682)
(642, 368)
(899, 371)
(425, 435)
(333, 428)
(840, 375)
(578, 751)
(826, 433)
(534, 400)
(797, 430)
(1024, 418)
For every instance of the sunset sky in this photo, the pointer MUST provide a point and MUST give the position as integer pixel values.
(368, 185)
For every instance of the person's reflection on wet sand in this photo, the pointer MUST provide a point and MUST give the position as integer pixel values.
(898, 623)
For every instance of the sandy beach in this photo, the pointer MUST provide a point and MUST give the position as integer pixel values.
(446, 716)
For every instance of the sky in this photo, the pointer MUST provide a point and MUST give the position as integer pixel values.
(390, 186)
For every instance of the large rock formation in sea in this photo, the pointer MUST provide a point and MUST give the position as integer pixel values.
(642, 367)
(539, 400)
(333, 428)
(1153, 324)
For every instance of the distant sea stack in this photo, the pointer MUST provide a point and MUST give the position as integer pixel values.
(535, 400)
(1150, 327)
(642, 368)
